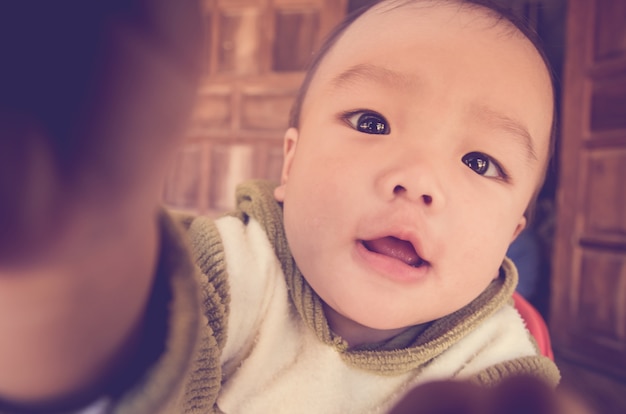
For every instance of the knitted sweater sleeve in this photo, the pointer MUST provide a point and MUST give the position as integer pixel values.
(186, 377)
(205, 377)
(537, 366)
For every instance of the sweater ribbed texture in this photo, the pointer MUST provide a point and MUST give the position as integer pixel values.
(159, 389)
(255, 199)
(206, 377)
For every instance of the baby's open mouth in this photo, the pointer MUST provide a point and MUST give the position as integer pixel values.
(398, 249)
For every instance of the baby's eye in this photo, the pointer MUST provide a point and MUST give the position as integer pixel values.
(483, 164)
(367, 122)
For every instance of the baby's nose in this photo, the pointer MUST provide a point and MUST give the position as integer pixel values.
(416, 181)
(399, 190)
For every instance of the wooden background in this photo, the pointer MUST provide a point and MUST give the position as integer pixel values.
(588, 298)
(257, 52)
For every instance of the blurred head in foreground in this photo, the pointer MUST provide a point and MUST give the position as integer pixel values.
(93, 96)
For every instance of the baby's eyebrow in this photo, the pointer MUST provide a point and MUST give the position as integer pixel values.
(508, 124)
(400, 81)
(369, 72)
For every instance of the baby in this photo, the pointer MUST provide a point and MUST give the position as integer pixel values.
(417, 143)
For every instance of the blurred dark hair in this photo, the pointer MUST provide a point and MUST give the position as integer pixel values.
(83, 83)
(54, 56)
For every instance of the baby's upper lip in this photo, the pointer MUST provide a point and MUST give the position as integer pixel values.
(402, 236)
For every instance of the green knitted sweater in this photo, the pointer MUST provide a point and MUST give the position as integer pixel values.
(194, 343)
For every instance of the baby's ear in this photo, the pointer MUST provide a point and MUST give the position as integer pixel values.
(289, 150)
(521, 225)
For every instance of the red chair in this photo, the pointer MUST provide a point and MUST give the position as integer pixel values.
(535, 324)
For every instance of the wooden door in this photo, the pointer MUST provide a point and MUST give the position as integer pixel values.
(588, 306)
(256, 53)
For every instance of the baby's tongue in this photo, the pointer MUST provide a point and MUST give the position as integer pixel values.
(393, 247)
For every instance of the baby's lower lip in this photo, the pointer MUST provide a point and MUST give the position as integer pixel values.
(389, 267)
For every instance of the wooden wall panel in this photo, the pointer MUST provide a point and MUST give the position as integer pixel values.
(296, 32)
(208, 40)
(231, 165)
(256, 54)
(596, 326)
(588, 286)
(184, 186)
(275, 161)
(240, 40)
(604, 214)
(610, 40)
(214, 109)
(265, 110)
(599, 297)
(608, 105)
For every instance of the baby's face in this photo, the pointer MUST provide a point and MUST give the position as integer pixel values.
(422, 139)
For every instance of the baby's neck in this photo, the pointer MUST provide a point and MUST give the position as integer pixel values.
(355, 334)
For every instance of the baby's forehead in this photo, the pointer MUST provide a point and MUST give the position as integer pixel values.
(403, 48)
(397, 21)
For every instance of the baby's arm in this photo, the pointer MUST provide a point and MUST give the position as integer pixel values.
(91, 96)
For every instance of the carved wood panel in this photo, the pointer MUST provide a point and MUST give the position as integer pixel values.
(608, 104)
(588, 305)
(604, 212)
(597, 298)
(610, 39)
